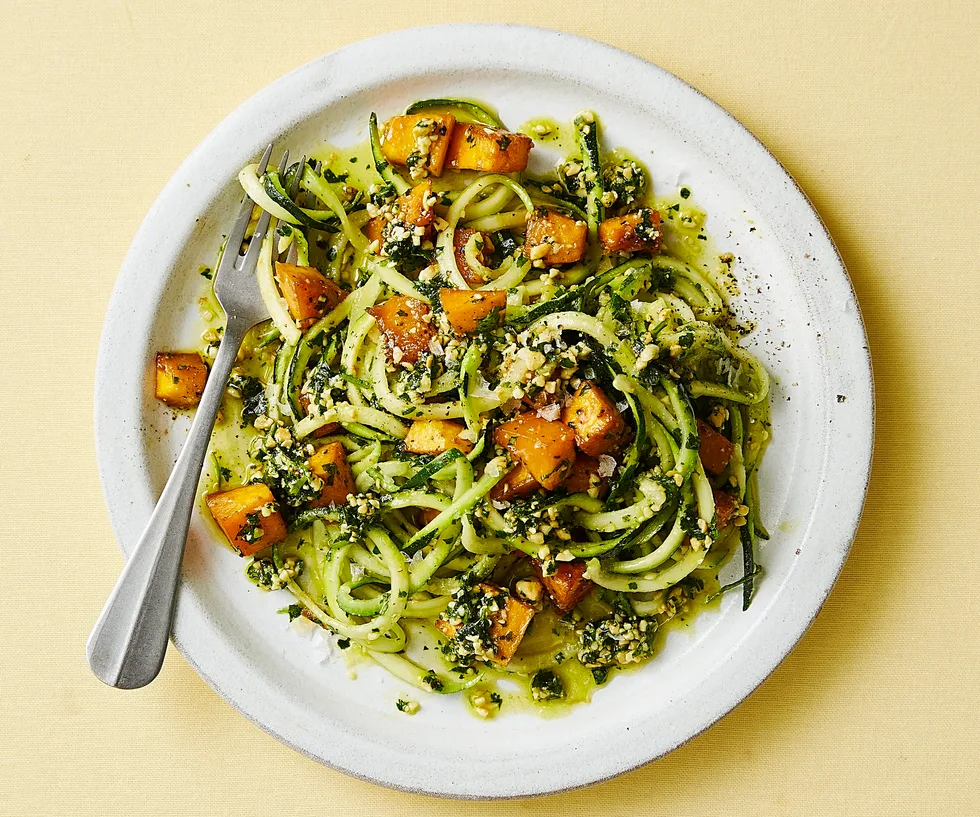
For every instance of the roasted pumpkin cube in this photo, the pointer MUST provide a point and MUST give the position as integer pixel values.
(567, 586)
(436, 437)
(460, 239)
(308, 293)
(726, 507)
(465, 308)
(477, 147)
(507, 627)
(597, 422)
(518, 483)
(545, 447)
(715, 451)
(553, 238)
(639, 230)
(584, 477)
(181, 377)
(374, 230)
(403, 225)
(330, 464)
(405, 327)
(423, 516)
(249, 517)
(418, 141)
(415, 206)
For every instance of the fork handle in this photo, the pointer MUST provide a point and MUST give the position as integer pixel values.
(128, 643)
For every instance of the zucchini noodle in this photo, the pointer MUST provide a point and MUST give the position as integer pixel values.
(493, 429)
(444, 243)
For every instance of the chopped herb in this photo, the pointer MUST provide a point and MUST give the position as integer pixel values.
(361, 384)
(294, 611)
(432, 681)
(252, 530)
(491, 321)
(546, 686)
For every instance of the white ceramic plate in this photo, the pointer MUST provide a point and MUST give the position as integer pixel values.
(812, 483)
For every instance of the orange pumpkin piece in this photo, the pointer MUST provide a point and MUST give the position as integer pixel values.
(408, 219)
(639, 230)
(248, 516)
(330, 464)
(465, 308)
(545, 447)
(477, 147)
(308, 293)
(415, 206)
(726, 506)
(715, 451)
(584, 476)
(436, 437)
(553, 238)
(460, 239)
(180, 379)
(518, 483)
(507, 627)
(567, 586)
(418, 142)
(404, 324)
(374, 230)
(597, 422)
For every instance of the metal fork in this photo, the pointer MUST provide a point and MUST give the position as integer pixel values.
(129, 641)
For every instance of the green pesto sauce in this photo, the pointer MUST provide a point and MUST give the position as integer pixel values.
(547, 638)
(354, 161)
(560, 136)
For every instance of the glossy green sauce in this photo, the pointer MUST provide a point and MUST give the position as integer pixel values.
(549, 643)
(557, 136)
(355, 162)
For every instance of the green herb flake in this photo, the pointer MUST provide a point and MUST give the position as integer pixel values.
(294, 611)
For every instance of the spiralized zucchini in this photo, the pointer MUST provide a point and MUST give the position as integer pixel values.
(505, 432)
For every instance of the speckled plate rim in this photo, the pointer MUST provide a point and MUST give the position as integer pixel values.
(768, 186)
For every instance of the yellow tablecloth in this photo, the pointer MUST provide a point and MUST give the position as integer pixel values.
(874, 106)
